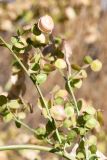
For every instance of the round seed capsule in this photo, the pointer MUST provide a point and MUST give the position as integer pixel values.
(46, 24)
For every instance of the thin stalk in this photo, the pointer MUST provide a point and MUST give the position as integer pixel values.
(73, 96)
(28, 146)
(19, 121)
(58, 136)
(40, 93)
(35, 147)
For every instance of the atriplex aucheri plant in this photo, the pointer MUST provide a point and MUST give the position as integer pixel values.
(38, 52)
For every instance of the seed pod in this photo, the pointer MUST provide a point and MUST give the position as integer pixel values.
(46, 24)
(58, 113)
(96, 65)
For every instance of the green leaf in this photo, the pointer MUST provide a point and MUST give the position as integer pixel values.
(18, 125)
(79, 104)
(59, 100)
(36, 30)
(91, 123)
(16, 67)
(67, 123)
(76, 67)
(40, 132)
(14, 39)
(69, 111)
(48, 67)
(19, 45)
(50, 126)
(88, 59)
(3, 100)
(81, 122)
(35, 67)
(100, 117)
(94, 158)
(13, 104)
(80, 155)
(82, 131)
(78, 84)
(60, 63)
(8, 117)
(58, 40)
(71, 135)
(90, 110)
(73, 82)
(93, 149)
(86, 117)
(41, 78)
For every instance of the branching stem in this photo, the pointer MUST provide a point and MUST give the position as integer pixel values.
(37, 86)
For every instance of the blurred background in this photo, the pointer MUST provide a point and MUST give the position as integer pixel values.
(84, 24)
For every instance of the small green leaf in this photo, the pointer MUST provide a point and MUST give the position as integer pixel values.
(40, 132)
(79, 104)
(18, 125)
(58, 40)
(36, 30)
(60, 63)
(80, 155)
(91, 123)
(59, 100)
(35, 67)
(88, 59)
(71, 135)
(82, 131)
(8, 117)
(78, 84)
(13, 104)
(76, 67)
(93, 149)
(48, 67)
(100, 118)
(3, 100)
(69, 111)
(50, 126)
(19, 45)
(90, 110)
(14, 39)
(67, 123)
(41, 78)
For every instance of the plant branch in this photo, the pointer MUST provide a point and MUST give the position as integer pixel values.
(26, 71)
(35, 147)
(28, 146)
(37, 86)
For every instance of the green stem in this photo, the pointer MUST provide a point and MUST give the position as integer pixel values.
(40, 93)
(20, 147)
(19, 121)
(58, 136)
(73, 96)
(35, 147)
